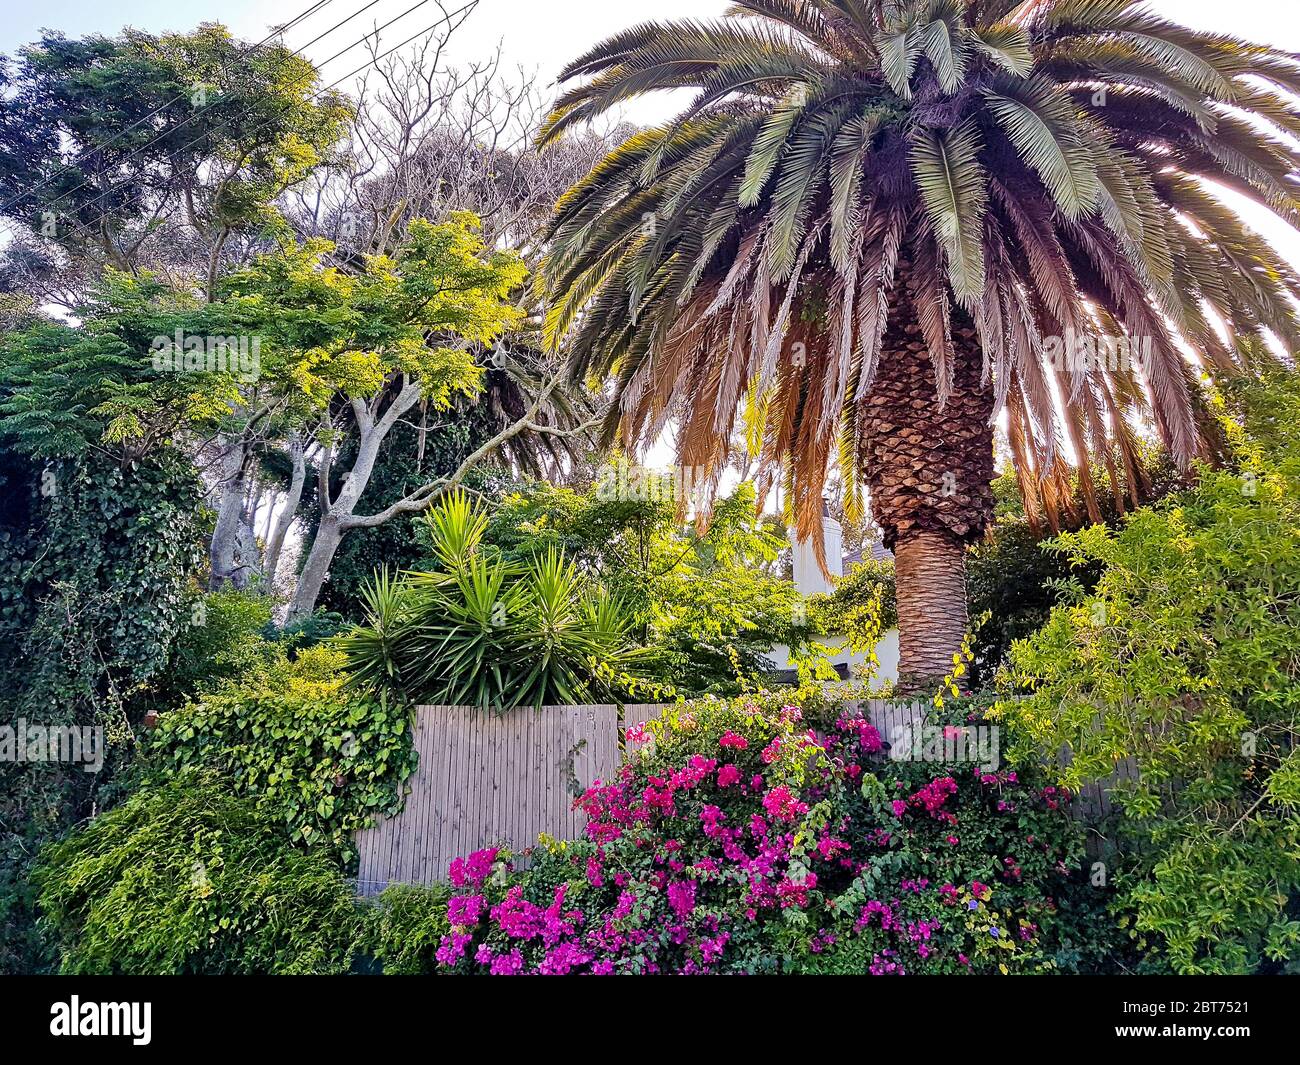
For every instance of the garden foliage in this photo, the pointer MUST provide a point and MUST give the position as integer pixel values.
(190, 878)
(1184, 662)
(484, 630)
(708, 602)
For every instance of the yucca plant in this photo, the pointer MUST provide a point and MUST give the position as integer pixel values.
(483, 631)
(880, 229)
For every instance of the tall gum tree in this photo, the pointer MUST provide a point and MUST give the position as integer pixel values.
(880, 227)
(165, 153)
(355, 352)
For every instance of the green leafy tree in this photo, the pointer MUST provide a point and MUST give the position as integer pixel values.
(67, 392)
(358, 352)
(1182, 665)
(100, 539)
(114, 145)
(878, 226)
(403, 466)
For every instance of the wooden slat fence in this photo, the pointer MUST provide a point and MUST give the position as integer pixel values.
(488, 779)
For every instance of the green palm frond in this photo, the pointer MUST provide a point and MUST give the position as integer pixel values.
(803, 173)
(952, 186)
(899, 51)
(942, 43)
(847, 157)
(1005, 45)
(770, 143)
(1041, 123)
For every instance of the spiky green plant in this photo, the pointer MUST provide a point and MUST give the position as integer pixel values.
(483, 631)
(880, 227)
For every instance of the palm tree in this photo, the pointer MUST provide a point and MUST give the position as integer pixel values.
(880, 228)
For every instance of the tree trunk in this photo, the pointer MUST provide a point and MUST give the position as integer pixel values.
(230, 511)
(338, 516)
(930, 571)
(275, 541)
(324, 544)
(929, 470)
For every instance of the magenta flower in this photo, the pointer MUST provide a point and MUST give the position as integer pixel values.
(681, 897)
(471, 871)
(781, 803)
(465, 910)
(452, 948)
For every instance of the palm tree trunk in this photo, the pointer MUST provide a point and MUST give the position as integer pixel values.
(930, 571)
(929, 471)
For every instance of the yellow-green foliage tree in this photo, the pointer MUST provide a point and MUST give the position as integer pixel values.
(355, 352)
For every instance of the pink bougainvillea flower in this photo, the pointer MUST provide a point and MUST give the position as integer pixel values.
(452, 948)
(681, 897)
(465, 910)
(781, 803)
(473, 869)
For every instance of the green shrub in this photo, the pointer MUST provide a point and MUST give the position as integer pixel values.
(710, 603)
(404, 926)
(321, 765)
(858, 588)
(95, 562)
(1185, 661)
(1015, 576)
(488, 632)
(189, 878)
(221, 643)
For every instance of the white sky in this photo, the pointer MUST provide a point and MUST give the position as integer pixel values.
(537, 36)
(540, 36)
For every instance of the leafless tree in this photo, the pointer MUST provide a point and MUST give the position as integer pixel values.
(430, 139)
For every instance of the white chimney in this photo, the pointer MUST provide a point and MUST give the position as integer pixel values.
(808, 576)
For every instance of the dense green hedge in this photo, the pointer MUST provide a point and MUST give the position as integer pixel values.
(188, 877)
(320, 765)
(96, 565)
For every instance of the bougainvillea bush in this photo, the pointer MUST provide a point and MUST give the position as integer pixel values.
(761, 836)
